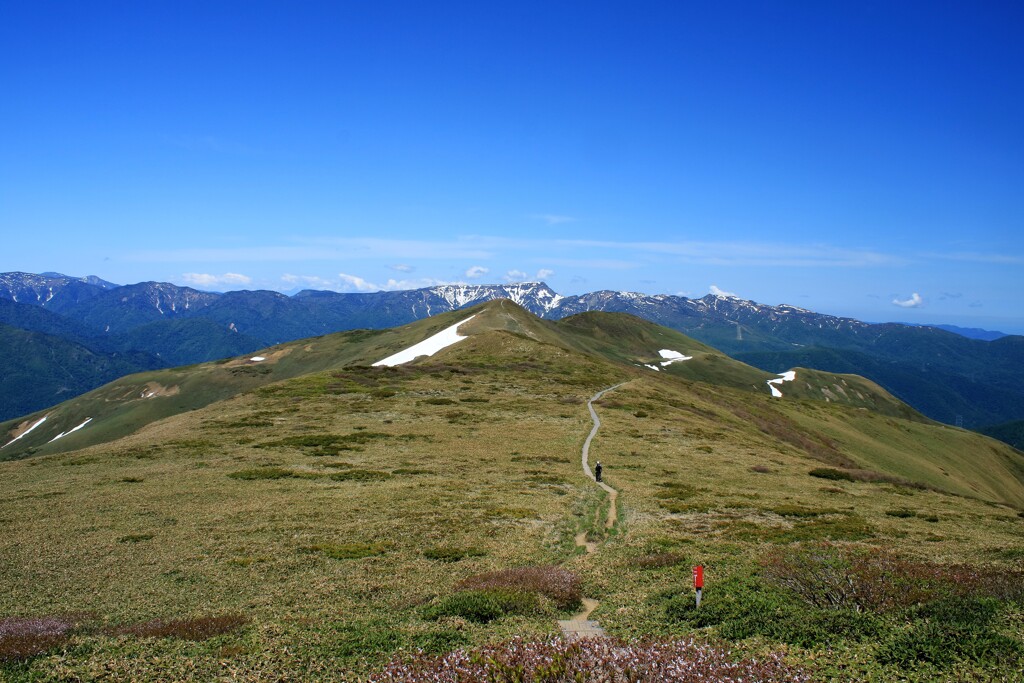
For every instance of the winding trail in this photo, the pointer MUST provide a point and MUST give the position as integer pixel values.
(580, 625)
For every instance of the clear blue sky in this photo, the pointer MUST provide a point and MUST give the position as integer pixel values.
(840, 156)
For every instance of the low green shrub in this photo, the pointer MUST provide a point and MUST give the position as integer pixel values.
(943, 643)
(743, 608)
(262, 473)
(348, 551)
(800, 511)
(448, 553)
(830, 473)
(360, 475)
(135, 538)
(484, 606)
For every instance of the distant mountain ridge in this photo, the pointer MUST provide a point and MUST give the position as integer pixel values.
(945, 375)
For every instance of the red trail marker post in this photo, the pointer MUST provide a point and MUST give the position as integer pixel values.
(698, 582)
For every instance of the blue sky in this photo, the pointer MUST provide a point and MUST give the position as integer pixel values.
(855, 158)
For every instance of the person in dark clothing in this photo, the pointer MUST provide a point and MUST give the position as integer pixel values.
(597, 471)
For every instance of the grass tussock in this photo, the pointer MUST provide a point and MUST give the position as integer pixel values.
(257, 473)
(360, 475)
(348, 551)
(135, 538)
(449, 553)
(660, 560)
(328, 444)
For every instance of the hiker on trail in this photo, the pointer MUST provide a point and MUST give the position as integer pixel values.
(597, 471)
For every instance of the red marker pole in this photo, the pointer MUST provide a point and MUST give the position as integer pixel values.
(698, 582)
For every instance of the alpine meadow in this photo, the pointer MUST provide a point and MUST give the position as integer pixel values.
(304, 513)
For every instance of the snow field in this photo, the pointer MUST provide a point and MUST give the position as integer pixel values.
(787, 376)
(25, 433)
(75, 429)
(427, 347)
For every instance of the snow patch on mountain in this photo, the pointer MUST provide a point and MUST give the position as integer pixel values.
(787, 376)
(73, 429)
(672, 357)
(25, 433)
(427, 347)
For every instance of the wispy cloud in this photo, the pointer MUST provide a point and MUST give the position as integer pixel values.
(714, 289)
(915, 301)
(749, 253)
(553, 218)
(593, 263)
(544, 273)
(311, 281)
(403, 268)
(477, 271)
(515, 276)
(979, 257)
(599, 254)
(210, 280)
(347, 282)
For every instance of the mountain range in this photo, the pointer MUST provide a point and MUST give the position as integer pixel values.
(52, 323)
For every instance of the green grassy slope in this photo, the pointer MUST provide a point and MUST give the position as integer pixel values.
(337, 509)
(628, 343)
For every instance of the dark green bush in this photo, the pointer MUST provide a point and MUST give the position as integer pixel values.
(743, 608)
(262, 473)
(943, 643)
(447, 553)
(360, 475)
(966, 611)
(800, 511)
(830, 473)
(348, 551)
(483, 606)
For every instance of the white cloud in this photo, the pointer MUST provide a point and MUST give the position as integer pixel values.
(477, 271)
(515, 276)
(402, 268)
(553, 219)
(914, 301)
(210, 280)
(310, 281)
(392, 285)
(721, 292)
(544, 273)
(354, 282)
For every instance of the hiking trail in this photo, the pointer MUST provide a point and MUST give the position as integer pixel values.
(580, 626)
